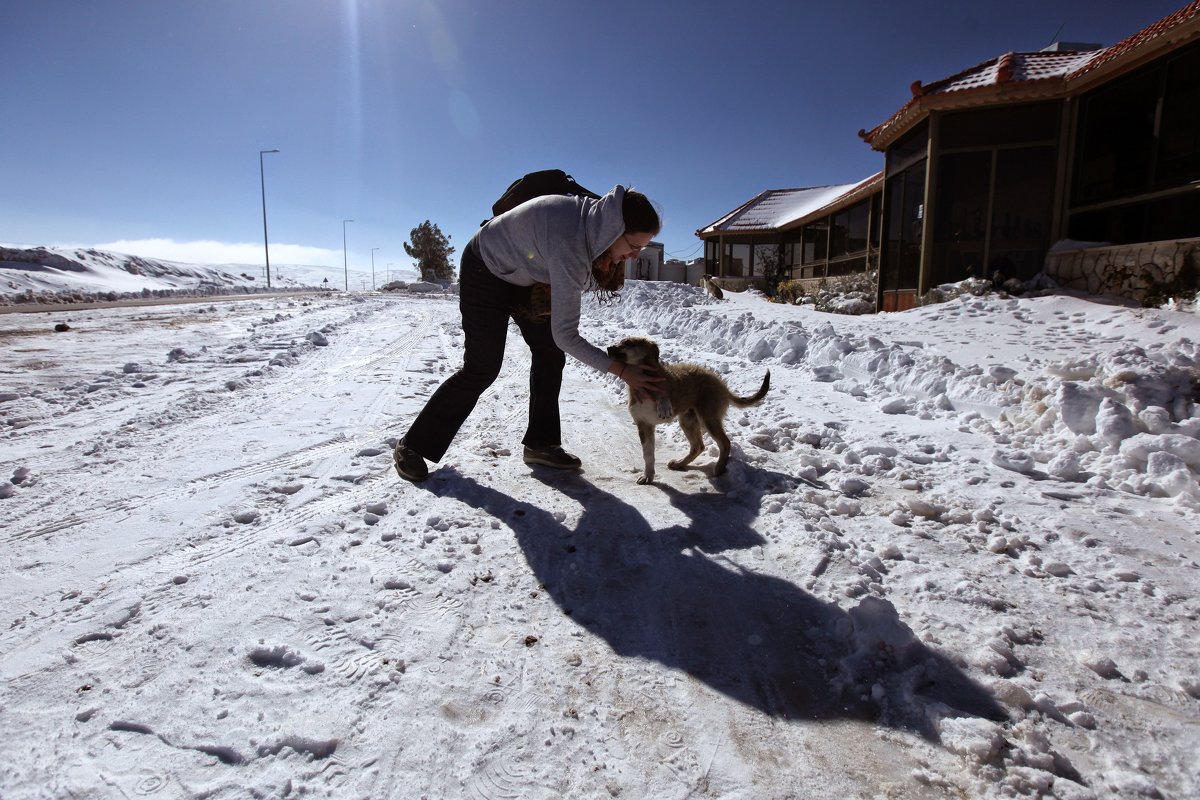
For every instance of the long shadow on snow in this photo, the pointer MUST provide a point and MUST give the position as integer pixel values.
(758, 639)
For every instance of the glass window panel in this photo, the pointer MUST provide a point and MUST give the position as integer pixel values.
(893, 204)
(905, 212)
(960, 213)
(856, 227)
(766, 260)
(848, 266)
(1021, 211)
(914, 220)
(1116, 138)
(838, 234)
(737, 261)
(1117, 225)
(816, 238)
(912, 145)
(1176, 217)
(1035, 122)
(792, 252)
(1179, 134)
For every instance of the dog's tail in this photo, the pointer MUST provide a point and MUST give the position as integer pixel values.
(742, 402)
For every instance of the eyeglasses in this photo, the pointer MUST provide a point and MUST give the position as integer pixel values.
(637, 248)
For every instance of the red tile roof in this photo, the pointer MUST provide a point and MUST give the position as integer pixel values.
(1011, 68)
(1161, 29)
(1016, 76)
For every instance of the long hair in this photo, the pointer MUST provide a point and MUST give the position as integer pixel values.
(606, 284)
(640, 216)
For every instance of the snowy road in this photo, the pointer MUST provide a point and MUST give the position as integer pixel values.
(215, 585)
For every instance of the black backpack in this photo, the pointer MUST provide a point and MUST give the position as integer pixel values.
(534, 305)
(537, 184)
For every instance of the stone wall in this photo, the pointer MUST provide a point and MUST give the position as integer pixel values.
(1149, 273)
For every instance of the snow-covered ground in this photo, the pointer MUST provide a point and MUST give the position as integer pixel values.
(955, 555)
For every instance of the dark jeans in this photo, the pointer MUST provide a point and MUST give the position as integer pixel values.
(486, 303)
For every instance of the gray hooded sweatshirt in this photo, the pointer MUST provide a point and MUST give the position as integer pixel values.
(554, 239)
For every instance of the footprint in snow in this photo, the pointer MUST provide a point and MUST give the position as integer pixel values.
(280, 657)
(1014, 460)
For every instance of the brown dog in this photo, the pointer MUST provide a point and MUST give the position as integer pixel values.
(697, 396)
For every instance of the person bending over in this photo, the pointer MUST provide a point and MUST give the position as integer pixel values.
(572, 244)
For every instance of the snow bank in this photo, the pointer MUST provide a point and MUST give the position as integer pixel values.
(1128, 420)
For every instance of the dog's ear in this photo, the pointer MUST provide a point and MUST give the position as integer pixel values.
(653, 352)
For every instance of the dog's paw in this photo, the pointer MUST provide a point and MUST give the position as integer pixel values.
(677, 466)
(645, 480)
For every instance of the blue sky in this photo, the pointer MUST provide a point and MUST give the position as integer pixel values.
(137, 124)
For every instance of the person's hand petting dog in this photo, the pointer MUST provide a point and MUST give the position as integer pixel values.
(643, 381)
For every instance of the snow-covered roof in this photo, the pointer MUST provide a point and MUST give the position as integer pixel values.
(1011, 68)
(1041, 75)
(776, 209)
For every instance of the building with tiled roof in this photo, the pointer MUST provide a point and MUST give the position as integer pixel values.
(1010, 77)
(994, 171)
(775, 208)
(987, 169)
(813, 233)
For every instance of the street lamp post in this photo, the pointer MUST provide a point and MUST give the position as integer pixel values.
(373, 249)
(345, 269)
(262, 180)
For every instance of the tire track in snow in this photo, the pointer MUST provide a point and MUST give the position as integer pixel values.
(124, 508)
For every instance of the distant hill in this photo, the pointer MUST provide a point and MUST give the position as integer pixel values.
(43, 274)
